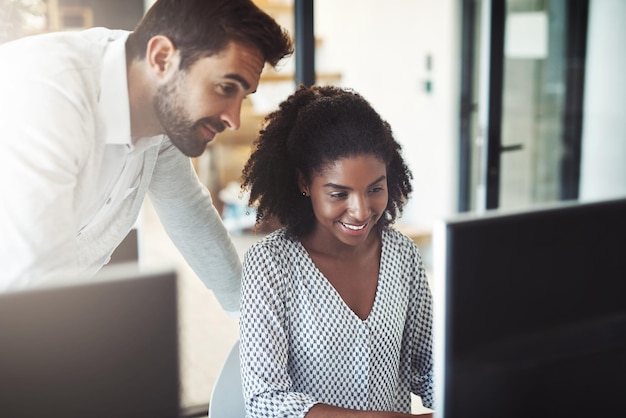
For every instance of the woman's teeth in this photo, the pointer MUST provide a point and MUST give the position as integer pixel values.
(354, 227)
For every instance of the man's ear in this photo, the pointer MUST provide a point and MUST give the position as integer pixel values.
(162, 56)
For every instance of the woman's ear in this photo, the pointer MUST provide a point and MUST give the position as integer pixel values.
(162, 56)
(302, 184)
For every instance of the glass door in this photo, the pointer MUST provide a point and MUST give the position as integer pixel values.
(521, 102)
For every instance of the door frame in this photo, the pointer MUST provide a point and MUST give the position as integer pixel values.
(493, 18)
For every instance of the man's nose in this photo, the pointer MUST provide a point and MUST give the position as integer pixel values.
(231, 117)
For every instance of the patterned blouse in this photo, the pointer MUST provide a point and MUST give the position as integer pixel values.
(302, 345)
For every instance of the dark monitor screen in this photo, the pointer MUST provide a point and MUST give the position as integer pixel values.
(530, 312)
(102, 349)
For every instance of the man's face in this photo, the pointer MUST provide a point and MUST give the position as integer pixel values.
(195, 105)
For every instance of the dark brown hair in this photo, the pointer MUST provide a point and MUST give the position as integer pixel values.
(313, 128)
(200, 28)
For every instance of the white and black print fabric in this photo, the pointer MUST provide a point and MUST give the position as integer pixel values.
(302, 345)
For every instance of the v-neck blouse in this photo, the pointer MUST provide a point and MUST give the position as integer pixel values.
(301, 344)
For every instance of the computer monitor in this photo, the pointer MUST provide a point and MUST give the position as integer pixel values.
(103, 349)
(530, 312)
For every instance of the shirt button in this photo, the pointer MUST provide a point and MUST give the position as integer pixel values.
(108, 201)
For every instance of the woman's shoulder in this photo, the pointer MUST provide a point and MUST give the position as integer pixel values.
(392, 236)
(399, 245)
(276, 242)
(276, 238)
(275, 259)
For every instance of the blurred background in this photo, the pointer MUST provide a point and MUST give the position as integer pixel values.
(497, 104)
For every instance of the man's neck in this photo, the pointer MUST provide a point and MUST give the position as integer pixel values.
(143, 120)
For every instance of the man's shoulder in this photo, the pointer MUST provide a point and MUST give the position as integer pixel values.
(57, 52)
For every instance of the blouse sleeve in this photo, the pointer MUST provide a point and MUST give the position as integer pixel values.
(421, 319)
(264, 338)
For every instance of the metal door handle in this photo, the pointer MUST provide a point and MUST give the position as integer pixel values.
(514, 147)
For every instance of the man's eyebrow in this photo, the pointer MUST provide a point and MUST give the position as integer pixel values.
(338, 186)
(240, 80)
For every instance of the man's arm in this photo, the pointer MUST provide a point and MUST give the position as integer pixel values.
(186, 210)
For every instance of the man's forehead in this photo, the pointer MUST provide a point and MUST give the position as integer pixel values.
(241, 63)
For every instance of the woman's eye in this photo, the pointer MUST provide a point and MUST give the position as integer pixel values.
(376, 189)
(337, 195)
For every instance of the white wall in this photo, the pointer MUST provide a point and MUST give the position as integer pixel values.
(603, 165)
(380, 49)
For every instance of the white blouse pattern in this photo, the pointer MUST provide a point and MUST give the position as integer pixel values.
(302, 345)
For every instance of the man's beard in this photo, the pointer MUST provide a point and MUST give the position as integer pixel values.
(181, 130)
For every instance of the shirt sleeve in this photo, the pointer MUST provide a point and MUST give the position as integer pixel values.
(421, 319)
(185, 208)
(41, 154)
(267, 386)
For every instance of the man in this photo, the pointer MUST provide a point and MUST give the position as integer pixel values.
(93, 121)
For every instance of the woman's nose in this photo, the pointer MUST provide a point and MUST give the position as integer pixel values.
(359, 208)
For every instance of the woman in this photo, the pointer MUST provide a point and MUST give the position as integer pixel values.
(336, 311)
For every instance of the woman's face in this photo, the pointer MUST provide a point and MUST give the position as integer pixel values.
(348, 198)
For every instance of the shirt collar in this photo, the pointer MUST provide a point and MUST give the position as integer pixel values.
(114, 101)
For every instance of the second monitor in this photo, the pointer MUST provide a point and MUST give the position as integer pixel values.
(530, 312)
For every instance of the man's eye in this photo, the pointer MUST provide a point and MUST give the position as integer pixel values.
(376, 189)
(227, 89)
(337, 195)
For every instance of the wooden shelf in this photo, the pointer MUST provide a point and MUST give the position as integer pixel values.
(61, 17)
(275, 77)
(275, 7)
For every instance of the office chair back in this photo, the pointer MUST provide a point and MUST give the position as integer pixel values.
(227, 397)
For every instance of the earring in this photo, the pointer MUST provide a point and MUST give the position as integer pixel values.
(304, 194)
